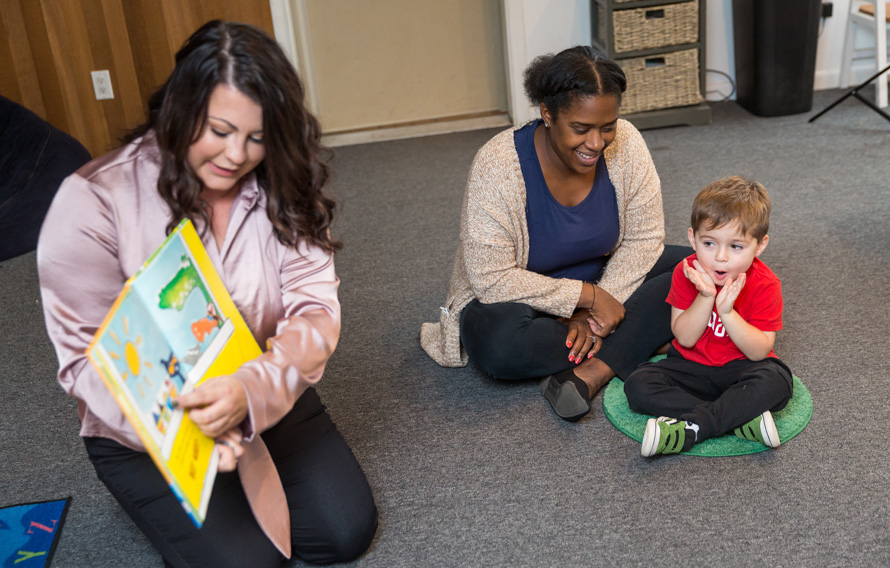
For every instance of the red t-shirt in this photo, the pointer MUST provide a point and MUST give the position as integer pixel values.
(759, 304)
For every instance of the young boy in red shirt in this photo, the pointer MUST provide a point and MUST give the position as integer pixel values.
(720, 374)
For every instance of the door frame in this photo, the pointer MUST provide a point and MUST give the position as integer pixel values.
(291, 26)
(290, 21)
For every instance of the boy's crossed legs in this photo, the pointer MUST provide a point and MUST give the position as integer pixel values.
(710, 400)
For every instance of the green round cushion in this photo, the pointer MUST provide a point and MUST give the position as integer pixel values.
(790, 421)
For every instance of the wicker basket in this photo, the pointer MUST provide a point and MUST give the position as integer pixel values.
(655, 26)
(660, 81)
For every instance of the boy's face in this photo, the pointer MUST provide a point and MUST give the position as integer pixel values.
(725, 252)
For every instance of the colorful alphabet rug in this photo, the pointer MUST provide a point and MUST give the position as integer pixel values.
(29, 533)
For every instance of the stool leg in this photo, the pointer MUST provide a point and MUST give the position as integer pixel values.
(881, 45)
(849, 46)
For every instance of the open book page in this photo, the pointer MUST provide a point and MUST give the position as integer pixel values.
(173, 326)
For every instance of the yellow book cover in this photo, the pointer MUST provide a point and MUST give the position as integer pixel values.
(172, 327)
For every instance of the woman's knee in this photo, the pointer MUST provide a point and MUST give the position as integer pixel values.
(333, 513)
(338, 540)
(673, 254)
(498, 337)
(356, 539)
(486, 324)
(669, 259)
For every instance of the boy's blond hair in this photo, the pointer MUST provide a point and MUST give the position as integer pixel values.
(733, 199)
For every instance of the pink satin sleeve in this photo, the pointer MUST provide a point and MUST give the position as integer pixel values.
(305, 337)
(80, 277)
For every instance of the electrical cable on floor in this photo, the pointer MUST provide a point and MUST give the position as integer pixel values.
(715, 91)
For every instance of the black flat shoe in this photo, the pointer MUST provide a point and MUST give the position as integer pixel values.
(563, 396)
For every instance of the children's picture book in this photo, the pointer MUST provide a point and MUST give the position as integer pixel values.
(172, 327)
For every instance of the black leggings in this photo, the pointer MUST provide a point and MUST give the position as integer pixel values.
(515, 341)
(333, 516)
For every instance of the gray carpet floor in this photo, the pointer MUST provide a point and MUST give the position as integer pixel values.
(468, 471)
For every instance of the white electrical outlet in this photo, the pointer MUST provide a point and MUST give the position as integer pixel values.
(102, 85)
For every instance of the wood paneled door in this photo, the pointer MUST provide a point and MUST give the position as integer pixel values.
(49, 47)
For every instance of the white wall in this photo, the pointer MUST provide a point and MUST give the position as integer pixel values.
(719, 53)
(553, 25)
(537, 27)
(829, 49)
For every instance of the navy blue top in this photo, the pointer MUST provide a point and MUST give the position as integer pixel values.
(566, 242)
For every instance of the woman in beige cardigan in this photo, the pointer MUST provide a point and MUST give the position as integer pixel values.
(561, 271)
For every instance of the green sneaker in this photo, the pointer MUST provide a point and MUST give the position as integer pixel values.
(762, 429)
(666, 436)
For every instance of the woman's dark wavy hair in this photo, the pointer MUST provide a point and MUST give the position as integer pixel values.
(581, 71)
(293, 174)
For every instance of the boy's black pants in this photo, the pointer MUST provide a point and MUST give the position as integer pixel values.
(718, 399)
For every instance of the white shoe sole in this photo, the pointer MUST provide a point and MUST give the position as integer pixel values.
(768, 430)
(650, 439)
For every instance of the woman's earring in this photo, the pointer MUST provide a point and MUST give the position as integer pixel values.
(546, 125)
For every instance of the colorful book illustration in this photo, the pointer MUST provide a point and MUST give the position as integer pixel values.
(173, 326)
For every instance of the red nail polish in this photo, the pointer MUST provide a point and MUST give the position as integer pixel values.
(569, 344)
(589, 355)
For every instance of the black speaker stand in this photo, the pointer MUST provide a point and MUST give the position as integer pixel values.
(854, 92)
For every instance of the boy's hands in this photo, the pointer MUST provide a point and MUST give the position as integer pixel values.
(728, 295)
(705, 286)
(700, 279)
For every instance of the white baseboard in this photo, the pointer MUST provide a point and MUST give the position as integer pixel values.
(719, 88)
(824, 79)
(397, 132)
(831, 78)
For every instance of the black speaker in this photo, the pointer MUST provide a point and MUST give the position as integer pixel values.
(775, 54)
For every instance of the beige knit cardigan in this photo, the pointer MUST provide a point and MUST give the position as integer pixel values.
(491, 259)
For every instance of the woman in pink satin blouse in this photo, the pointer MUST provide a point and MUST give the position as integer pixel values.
(228, 144)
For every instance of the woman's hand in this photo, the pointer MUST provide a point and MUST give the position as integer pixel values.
(217, 406)
(230, 449)
(580, 340)
(606, 313)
